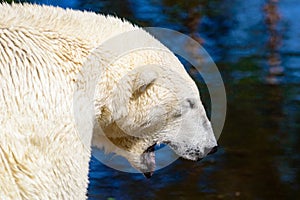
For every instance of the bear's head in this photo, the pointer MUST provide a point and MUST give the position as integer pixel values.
(139, 107)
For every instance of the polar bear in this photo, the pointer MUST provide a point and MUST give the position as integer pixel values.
(49, 118)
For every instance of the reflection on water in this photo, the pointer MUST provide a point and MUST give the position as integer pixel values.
(251, 42)
(272, 19)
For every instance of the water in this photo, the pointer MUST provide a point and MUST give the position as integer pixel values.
(256, 46)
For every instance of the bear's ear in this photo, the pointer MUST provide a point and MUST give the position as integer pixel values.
(132, 84)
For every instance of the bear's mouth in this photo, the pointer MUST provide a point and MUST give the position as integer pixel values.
(148, 160)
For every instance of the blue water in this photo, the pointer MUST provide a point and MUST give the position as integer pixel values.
(256, 46)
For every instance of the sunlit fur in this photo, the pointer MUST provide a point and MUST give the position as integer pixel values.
(42, 51)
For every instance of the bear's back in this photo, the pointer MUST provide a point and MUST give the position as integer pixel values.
(88, 26)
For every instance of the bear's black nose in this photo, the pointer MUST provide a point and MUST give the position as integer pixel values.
(213, 150)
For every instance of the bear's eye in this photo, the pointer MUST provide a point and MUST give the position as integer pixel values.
(191, 103)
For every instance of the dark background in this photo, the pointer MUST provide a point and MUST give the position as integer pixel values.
(256, 47)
